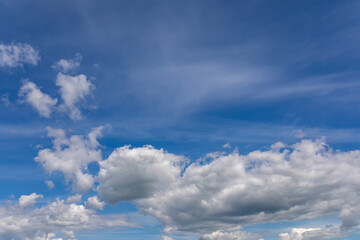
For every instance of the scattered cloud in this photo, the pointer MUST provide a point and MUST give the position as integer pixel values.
(41, 223)
(40, 101)
(227, 145)
(28, 200)
(74, 198)
(50, 184)
(67, 65)
(15, 55)
(71, 156)
(73, 89)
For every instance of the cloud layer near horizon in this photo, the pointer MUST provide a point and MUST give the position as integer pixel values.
(304, 180)
(24, 221)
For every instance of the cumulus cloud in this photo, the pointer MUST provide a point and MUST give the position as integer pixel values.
(71, 156)
(41, 223)
(15, 55)
(218, 196)
(74, 199)
(40, 101)
(305, 180)
(28, 200)
(94, 202)
(134, 173)
(67, 65)
(73, 89)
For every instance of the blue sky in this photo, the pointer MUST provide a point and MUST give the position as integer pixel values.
(212, 86)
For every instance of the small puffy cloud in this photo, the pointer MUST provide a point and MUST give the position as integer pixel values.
(227, 145)
(15, 55)
(95, 203)
(71, 156)
(40, 101)
(67, 65)
(50, 184)
(28, 200)
(74, 199)
(134, 173)
(41, 223)
(73, 89)
(236, 235)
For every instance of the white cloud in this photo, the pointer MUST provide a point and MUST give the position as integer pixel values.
(305, 180)
(133, 173)
(50, 184)
(15, 55)
(287, 182)
(67, 65)
(74, 199)
(40, 223)
(71, 156)
(227, 145)
(166, 238)
(73, 89)
(28, 200)
(312, 234)
(42, 102)
(236, 235)
(94, 202)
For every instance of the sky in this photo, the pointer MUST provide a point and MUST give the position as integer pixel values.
(179, 120)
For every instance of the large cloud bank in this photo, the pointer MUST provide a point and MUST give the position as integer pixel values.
(219, 196)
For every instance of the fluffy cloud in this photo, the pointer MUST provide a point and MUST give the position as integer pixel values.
(42, 102)
(71, 156)
(219, 196)
(15, 55)
(28, 200)
(305, 180)
(40, 223)
(134, 173)
(73, 89)
(94, 202)
(67, 65)
(74, 199)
